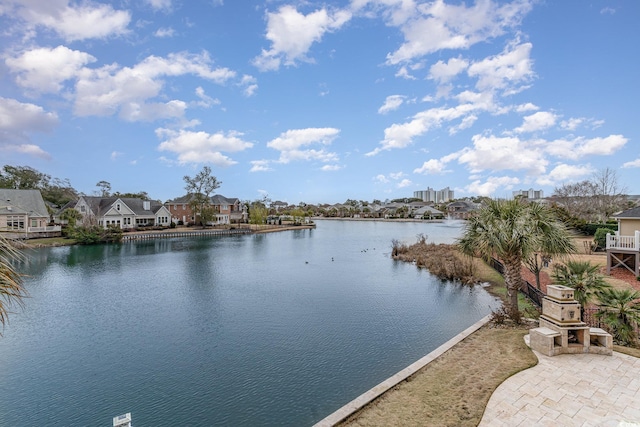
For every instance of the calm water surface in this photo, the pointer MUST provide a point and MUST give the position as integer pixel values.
(263, 330)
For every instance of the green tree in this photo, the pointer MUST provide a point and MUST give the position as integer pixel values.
(200, 188)
(22, 178)
(620, 310)
(55, 191)
(11, 286)
(72, 216)
(584, 278)
(512, 231)
(104, 188)
(258, 211)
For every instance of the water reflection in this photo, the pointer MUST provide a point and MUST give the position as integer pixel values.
(272, 329)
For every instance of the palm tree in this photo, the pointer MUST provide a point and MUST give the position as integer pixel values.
(512, 230)
(584, 278)
(11, 289)
(620, 310)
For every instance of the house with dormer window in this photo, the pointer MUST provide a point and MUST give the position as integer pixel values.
(125, 212)
(24, 215)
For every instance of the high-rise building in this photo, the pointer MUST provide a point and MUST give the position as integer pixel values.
(529, 194)
(431, 195)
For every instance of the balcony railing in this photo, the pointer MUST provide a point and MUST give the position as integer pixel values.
(629, 243)
(48, 228)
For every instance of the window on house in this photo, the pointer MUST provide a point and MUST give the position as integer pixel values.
(34, 222)
(15, 223)
(82, 208)
(184, 207)
(118, 207)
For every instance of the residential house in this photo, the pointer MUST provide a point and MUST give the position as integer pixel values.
(123, 212)
(24, 215)
(623, 247)
(180, 210)
(462, 209)
(428, 212)
(227, 210)
(278, 205)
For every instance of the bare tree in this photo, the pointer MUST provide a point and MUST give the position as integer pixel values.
(200, 188)
(595, 199)
(609, 197)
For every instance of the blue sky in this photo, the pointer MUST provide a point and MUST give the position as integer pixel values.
(321, 101)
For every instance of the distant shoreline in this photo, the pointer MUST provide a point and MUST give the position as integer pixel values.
(320, 218)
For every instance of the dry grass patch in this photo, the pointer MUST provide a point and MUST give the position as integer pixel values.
(454, 389)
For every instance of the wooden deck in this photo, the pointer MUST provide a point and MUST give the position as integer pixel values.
(624, 251)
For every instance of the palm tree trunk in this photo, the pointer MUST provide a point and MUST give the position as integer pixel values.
(512, 280)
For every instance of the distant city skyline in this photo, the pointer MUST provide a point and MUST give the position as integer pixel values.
(321, 102)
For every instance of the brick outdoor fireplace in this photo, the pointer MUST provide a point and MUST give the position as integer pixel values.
(561, 330)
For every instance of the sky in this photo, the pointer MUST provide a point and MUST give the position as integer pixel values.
(320, 102)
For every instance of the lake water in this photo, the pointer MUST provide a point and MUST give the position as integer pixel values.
(276, 329)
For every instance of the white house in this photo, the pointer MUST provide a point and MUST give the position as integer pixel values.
(122, 212)
(24, 215)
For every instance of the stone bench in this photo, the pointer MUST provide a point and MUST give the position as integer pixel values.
(543, 340)
(601, 341)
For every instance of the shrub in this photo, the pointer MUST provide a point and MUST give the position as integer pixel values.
(600, 237)
(590, 229)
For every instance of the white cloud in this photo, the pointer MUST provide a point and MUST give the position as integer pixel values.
(165, 32)
(632, 164)
(77, 22)
(113, 89)
(201, 147)
(250, 85)
(30, 149)
(496, 153)
(403, 72)
(292, 33)
(444, 72)
(404, 183)
(491, 185)
(581, 147)
(432, 167)
(18, 119)
(291, 143)
(205, 100)
(260, 166)
(381, 179)
(45, 69)
(396, 175)
(524, 108)
(330, 168)
(439, 26)
(159, 4)
(538, 121)
(564, 172)
(572, 124)
(402, 135)
(393, 102)
(508, 71)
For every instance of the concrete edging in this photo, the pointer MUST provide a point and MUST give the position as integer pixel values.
(364, 399)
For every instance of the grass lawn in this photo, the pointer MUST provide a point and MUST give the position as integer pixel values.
(49, 241)
(454, 389)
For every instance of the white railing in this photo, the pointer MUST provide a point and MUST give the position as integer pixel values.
(48, 228)
(631, 243)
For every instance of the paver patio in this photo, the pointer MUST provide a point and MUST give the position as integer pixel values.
(569, 390)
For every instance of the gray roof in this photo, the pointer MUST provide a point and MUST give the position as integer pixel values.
(428, 209)
(21, 202)
(629, 213)
(216, 199)
(100, 205)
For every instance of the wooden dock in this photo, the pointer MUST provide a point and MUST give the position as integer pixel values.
(180, 233)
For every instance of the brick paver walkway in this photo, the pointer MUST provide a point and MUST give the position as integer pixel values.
(569, 390)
